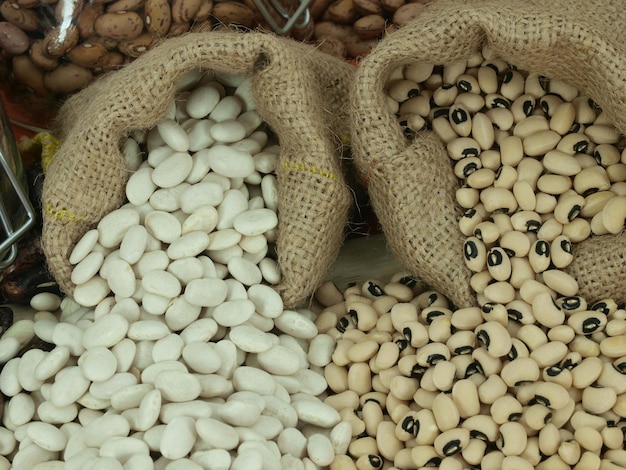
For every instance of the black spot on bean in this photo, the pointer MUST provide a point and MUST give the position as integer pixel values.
(542, 248)
(495, 258)
(402, 344)
(590, 325)
(512, 354)
(410, 425)
(452, 447)
(573, 213)
(539, 400)
(528, 107)
(374, 289)
(581, 147)
(408, 334)
(601, 306)
(463, 350)
(353, 315)
(417, 371)
(543, 81)
(593, 104)
(500, 103)
(343, 324)
(566, 245)
(469, 169)
(508, 76)
(441, 112)
(576, 127)
(408, 281)
(493, 66)
(470, 250)
(473, 368)
(470, 152)
(554, 371)
(465, 86)
(570, 303)
(483, 337)
(514, 416)
(620, 367)
(435, 358)
(375, 461)
(432, 298)
(413, 92)
(447, 86)
(569, 364)
(590, 191)
(476, 434)
(459, 116)
(533, 225)
(434, 462)
(514, 314)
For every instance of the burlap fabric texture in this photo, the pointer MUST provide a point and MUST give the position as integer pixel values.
(300, 92)
(412, 184)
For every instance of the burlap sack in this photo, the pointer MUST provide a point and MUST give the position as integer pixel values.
(300, 92)
(412, 183)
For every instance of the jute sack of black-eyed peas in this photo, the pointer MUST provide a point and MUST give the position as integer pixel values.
(300, 93)
(411, 181)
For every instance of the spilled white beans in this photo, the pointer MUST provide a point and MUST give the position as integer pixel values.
(176, 352)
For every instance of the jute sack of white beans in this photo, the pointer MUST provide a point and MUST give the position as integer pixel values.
(412, 184)
(299, 92)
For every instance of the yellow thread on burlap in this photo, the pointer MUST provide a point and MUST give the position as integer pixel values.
(62, 215)
(309, 169)
(49, 145)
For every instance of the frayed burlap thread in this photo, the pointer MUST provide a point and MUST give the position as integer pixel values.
(411, 182)
(300, 92)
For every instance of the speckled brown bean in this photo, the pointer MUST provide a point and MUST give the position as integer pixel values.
(13, 40)
(184, 10)
(29, 74)
(59, 40)
(406, 13)
(40, 58)
(139, 45)
(369, 26)
(119, 26)
(87, 18)
(23, 18)
(158, 16)
(88, 54)
(67, 78)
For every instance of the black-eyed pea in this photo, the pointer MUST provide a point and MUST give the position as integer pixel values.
(587, 322)
(499, 200)
(360, 378)
(545, 309)
(351, 416)
(549, 439)
(482, 130)
(426, 380)
(549, 354)
(531, 125)
(591, 180)
(554, 185)
(442, 127)
(549, 104)
(512, 86)
(358, 352)
(337, 377)
(487, 80)
(342, 462)
(526, 221)
(363, 446)
(372, 289)
(536, 416)
(431, 298)
(585, 346)
(512, 439)
(465, 396)
(418, 71)
(614, 214)
(387, 443)
(425, 456)
(387, 355)
(479, 281)
(558, 375)
(409, 425)
(403, 387)
(490, 159)
(598, 400)
(481, 427)
(481, 178)
(615, 327)
(440, 329)
(402, 313)
(550, 228)
(563, 89)
(419, 105)
(460, 120)
(561, 333)
(563, 117)
(496, 100)
(401, 90)
(613, 347)
(445, 94)
(588, 438)
(521, 271)
(561, 252)
(525, 195)
(461, 342)
(616, 173)
(474, 451)
(519, 371)
(443, 375)
(377, 385)
(577, 230)
(369, 462)
(468, 84)
(400, 292)
(372, 416)
(551, 394)
(429, 314)
(506, 408)
(487, 363)
(539, 256)
(466, 318)
(606, 154)
(545, 203)
(531, 453)
(506, 176)
(500, 292)
(470, 219)
(328, 294)
(531, 288)
(568, 208)
(451, 441)
(494, 312)
(522, 107)
(495, 337)
(464, 365)
(342, 400)
(415, 333)
(602, 134)
(466, 166)
(463, 147)
(471, 101)
(562, 416)
(585, 112)
(569, 451)
(588, 461)
(560, 281)
(364, 314)
(612, 437)
(518, 350)
(445, 412)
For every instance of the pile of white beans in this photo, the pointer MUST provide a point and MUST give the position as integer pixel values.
(175, 351)
(534, 377)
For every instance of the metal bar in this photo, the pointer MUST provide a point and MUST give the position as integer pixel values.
(291, 19)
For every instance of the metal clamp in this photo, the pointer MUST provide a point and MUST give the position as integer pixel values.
(292, 20)
(17, 222)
